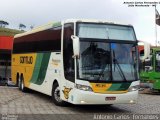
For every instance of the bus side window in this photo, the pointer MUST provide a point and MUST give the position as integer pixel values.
(68, 53)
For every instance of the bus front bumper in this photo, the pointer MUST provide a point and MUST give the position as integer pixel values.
(87, 97)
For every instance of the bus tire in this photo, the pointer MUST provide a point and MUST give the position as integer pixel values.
(17, 80)
(56, 95)
(22, 85)
(19, 83)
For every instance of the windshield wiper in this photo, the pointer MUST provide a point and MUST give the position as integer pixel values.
(119, 67)
(102, 72)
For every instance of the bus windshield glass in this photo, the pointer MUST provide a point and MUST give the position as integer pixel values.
(103, 31)
(101, 60)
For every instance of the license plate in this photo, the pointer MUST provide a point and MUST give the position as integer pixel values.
(110, 98)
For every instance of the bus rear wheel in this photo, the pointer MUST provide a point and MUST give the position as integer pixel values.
(56, 95)
(21, 84)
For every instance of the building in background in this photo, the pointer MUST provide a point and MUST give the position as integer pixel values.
(6, 44)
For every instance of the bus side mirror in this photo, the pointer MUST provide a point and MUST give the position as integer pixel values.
(76, 44)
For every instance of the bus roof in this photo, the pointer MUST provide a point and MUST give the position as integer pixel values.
(56, 24)
(94, 21)
(40, 28)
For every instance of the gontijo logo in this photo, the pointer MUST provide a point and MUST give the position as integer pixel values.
(26, 59)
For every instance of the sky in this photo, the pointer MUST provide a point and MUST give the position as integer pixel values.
(39, 12)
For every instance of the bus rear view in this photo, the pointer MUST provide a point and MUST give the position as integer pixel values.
(97, 63)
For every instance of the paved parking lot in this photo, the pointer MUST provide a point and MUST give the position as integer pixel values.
(13, 101)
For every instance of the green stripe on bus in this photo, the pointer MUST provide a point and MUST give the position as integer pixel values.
(37, 67)
(114, 87)
(119, 87)
(124, 86)
(43, 68)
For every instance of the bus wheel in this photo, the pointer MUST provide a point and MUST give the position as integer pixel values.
(19, 83)
(56, 95)
(22, 86)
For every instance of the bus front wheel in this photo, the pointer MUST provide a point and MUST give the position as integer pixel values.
(56, 95)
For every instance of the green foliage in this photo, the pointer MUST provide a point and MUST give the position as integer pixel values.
(3, 23)
(21, 26)
(8, 32)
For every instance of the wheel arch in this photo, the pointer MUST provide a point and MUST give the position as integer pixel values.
(55, 81)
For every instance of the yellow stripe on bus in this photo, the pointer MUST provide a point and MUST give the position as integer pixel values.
(103, 88)
(23, 64)
(100, 87)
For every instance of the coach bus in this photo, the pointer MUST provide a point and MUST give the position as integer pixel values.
(78, 61)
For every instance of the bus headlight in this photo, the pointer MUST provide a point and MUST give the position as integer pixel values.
(83, 87)
(133, 88)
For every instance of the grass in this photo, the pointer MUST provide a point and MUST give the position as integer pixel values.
(9, 32)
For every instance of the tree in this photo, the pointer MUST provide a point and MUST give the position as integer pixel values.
(21, 26)
(3, 23)
(31, 27)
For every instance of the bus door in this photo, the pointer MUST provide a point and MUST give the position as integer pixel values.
(68, 60)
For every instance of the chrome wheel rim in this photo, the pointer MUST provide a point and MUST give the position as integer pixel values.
(19, 83)
(57, 94)
(22, 85)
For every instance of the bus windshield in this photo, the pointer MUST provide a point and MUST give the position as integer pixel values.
(103, 31)
(101, 60)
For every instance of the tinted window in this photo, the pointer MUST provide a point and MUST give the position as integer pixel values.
(47, 40)
(68, 53)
